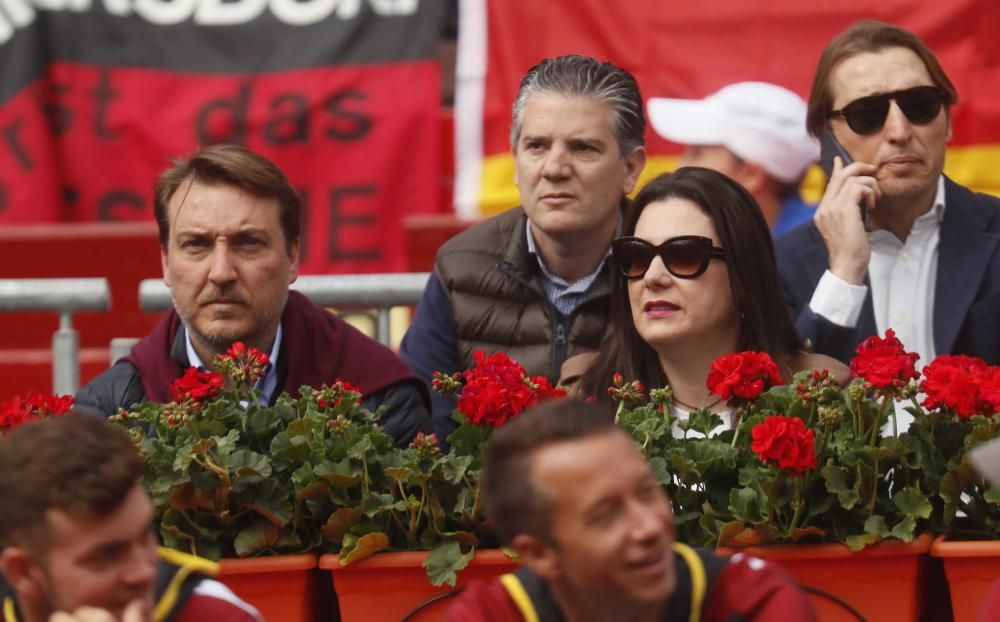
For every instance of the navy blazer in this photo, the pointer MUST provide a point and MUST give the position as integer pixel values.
(967, 294)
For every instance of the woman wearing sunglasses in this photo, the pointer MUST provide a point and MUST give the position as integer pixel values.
(695, 279)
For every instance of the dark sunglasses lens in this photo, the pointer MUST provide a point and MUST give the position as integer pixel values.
(633, 257)
(867, 114)
(921, 105)
(686, 257)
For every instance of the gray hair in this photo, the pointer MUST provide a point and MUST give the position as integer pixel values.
(576, 75)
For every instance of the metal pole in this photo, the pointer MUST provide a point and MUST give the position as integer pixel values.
(65, 359)
(382, 328)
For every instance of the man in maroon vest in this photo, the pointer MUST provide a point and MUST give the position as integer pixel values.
(229, 242)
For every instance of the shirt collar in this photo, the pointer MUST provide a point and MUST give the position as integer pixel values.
(926, 222)
(533, 249)
(265, 384)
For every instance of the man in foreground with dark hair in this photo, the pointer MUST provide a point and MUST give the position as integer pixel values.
(229, 242)
(570, 492)
(76, 533)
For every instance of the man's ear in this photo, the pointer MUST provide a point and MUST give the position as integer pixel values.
(293, 254)
(541, 558)
(163, 264)
(22, 573)
(634, 163)
(753, 177)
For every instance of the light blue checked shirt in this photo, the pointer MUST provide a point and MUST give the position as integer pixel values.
(565, 296)
(265, 386)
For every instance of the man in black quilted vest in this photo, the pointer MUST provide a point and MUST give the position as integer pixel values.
(570, 492)
(534, 281)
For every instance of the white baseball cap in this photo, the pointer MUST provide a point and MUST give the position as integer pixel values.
(757, 121)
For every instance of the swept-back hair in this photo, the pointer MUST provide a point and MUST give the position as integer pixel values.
(577, 75)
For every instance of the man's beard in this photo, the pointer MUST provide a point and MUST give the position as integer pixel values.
(222, 338)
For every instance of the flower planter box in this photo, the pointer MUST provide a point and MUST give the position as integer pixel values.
(971, 567)
(281, 587)
(388, 586)
(882, 582)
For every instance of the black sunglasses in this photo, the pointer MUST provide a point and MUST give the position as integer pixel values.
(685, 257)
(867, 115)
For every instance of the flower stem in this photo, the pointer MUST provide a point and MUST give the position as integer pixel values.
(877, 425)
(798, 504)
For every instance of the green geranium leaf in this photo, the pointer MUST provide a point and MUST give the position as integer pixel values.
(859, 542)
(262, 423)
(303, 427)
(365, 546)
(876, 526)
(227, 444)
(343, 473)
(454, 469)
(747, 505)
(659, 466)
(991, 495)
(246, 464)
(904, 529)
(444, 563)
(374, 502)
(704, 421)
(288, 452)
(467, 439)
(836, 483)
(912, 502)
(273, 502)
(260, 536)
(184, 456)
(361, 447)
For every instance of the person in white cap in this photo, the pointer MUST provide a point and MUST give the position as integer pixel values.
(754, 132)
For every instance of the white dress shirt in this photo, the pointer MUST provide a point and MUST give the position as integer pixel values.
(903, 276)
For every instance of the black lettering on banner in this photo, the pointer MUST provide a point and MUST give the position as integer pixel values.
(3, 197)
(10, 136)
(339, 221)
(106, 205)
(70, 195)
(352, 124)
(236, 108)
(103, 94)
(59, 117)
(291, 125)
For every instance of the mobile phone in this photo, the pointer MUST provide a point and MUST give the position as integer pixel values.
(829, 147)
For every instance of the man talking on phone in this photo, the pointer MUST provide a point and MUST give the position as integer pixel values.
(928, 263)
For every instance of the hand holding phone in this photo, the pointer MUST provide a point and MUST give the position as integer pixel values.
(829, 148)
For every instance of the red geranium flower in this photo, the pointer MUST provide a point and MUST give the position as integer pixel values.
(497, 390)
(956, 382)
(884, 363)
(242, 364)
(785, 441)
(196, 385)
(23, 408)
(743, 375)
(989, 386)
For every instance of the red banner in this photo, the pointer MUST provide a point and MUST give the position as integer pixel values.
(338, 101)
(680, 49)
